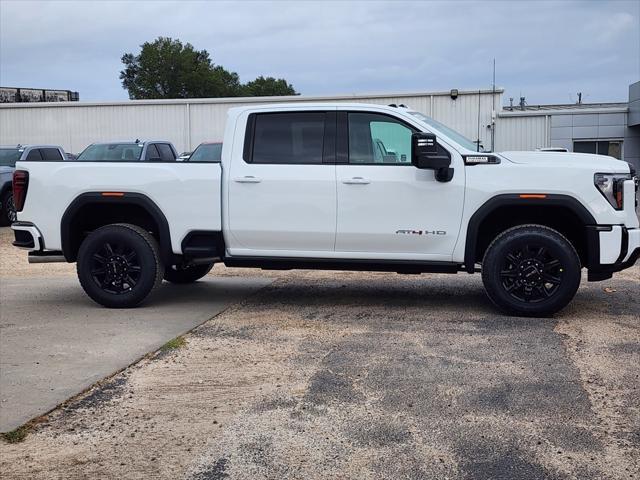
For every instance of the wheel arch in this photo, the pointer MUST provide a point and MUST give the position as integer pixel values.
(562, 212)
(92, 210)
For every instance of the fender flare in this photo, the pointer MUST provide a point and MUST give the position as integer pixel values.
(127, 198)
(515, 199)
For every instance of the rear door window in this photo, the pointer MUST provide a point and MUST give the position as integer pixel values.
(288, 138)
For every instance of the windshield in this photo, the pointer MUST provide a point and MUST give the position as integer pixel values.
(9, 156)
(119, 152)
(207, 152)
(449, 132)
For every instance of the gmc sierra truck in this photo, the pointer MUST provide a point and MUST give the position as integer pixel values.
(336, 186)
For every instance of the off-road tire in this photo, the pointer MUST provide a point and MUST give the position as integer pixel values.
(7, 209)
(181, 275)
(127, 238)
(513, 278)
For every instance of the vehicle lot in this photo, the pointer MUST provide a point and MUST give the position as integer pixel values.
(358, 375)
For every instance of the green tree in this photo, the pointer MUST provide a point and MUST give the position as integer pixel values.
(165, 68)
(264, 87)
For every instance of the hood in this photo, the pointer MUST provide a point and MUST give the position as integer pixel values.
(597, 163)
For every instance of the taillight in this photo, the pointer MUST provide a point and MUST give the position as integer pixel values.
(20, 185)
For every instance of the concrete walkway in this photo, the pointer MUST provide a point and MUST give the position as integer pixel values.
(55, 342)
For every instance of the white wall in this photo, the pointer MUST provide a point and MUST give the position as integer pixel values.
(522, 132)
(186, 123)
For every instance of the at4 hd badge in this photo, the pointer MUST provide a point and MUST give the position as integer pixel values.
(420, 232)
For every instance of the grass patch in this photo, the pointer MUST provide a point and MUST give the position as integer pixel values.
(17, 435)
(174, 344)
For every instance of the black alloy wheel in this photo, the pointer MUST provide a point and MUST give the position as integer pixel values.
(119, 265)
(530, 273)
(531, 270)
(115, 267)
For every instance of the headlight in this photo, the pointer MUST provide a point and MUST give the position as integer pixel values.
(611, 186)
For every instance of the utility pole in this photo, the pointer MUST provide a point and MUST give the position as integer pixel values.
(493, 109)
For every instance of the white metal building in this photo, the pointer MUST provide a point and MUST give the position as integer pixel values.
(186, 123)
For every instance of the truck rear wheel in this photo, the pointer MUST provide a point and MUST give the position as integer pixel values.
(189, 274)
(531, 270)
(119, 265)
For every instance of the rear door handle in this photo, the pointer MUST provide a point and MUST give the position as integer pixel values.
(247, 179)
(356, 181)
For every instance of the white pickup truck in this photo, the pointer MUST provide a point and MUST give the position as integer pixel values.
(336, 186)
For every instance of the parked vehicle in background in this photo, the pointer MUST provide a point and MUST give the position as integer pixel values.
(71, 157)
(184, 156)
(143, 151)
(337, 186)
(207, 152)
(9, 155)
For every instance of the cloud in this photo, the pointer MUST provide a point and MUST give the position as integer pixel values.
(544, 50)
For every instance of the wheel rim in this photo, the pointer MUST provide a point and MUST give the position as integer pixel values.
(531, 273)
(11, 210)
(115, 268)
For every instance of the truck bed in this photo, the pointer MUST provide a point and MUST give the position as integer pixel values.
(188, 194)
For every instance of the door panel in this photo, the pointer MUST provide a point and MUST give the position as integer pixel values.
(283, 200)
(386, 205)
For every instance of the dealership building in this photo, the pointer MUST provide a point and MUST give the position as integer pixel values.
(603, 128)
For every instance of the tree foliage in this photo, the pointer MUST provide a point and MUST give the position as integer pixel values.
(167, 68)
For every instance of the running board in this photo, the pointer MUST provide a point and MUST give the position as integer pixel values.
(46, 257)
(291, 263)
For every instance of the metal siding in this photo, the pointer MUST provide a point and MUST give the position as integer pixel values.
(522, 133)
(188, 123)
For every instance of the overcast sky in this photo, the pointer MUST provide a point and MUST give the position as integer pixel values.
(545, 51)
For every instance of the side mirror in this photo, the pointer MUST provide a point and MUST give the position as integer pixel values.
(425, 155)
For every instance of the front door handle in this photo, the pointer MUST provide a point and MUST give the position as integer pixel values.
(247, 179)
(356, 181)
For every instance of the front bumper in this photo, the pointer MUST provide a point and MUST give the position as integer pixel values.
(611, 248)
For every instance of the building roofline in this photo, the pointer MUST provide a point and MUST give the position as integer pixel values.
(623, 108)
(273, 99)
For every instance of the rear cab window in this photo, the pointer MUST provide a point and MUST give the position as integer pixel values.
(51, 155)
(152, 153)
(166, 152)
(34, 155)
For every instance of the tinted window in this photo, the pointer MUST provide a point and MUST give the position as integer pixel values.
(9, 156)
(612, 148)
(584, 147)
(51, 154)
(166, 154)
(206, 152)
(111, 152)
(377, 138)
(288, 137)
(152, 152)
(34, 155)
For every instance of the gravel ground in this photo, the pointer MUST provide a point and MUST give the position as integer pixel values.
(361, 375)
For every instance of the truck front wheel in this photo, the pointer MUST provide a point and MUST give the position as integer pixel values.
(531, 270)
(189, 274)
(119, 265)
